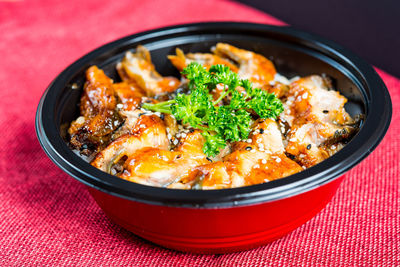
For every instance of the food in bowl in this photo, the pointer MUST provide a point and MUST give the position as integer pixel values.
(230, 121)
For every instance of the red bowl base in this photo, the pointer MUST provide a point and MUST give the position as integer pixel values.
(216, 230)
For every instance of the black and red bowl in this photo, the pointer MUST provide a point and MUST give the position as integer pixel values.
(227, 220)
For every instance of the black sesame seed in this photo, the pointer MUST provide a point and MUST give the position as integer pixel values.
(179, 156)
(248, 148)
(162, 116)
(325, 111)
(290, 156)
(261, 130)
(191, 130)
(210, 160)
(309, 146)
(140, 114)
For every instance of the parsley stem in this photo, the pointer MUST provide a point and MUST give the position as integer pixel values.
(206, 129)
(221, 97)
(163, 107)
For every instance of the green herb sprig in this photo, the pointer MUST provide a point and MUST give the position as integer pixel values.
(219, 122)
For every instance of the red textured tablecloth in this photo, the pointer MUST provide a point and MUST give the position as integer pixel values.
(48, 218)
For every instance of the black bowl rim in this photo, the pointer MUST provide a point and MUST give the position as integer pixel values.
(370, 135)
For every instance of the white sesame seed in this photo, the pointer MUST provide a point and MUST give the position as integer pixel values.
(302, 156)
(120, 105)
(169, 136)
(220, 86)
(80, 120)
(253, 151)
(278, 160)
(305, 95)
(175, 142)
(264, 161)
(249, 141)
(256, 166)
(183, 135)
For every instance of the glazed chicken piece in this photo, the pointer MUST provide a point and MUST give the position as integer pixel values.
(130, 97)
(263, 153)
(316, 115)
(92, 130)
(279, 89)
(259, 160)
(241, 168)
(129, 94)
(137, 68)
(278, 166)
(160, 167)
(208, 176)
(130, 119)
(252, 66)
(180, 60)
(149, 131)
(267, 136)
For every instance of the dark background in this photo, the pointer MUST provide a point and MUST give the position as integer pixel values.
(371, 29)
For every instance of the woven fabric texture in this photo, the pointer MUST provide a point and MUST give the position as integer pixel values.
(48, 218)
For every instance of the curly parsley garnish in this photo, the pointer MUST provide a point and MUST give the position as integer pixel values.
(220, 122)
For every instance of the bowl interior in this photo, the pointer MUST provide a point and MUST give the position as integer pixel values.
(294, 53)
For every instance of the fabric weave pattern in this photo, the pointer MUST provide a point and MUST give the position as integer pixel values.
(48, 218)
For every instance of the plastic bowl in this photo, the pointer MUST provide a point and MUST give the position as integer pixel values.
(227, 220)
